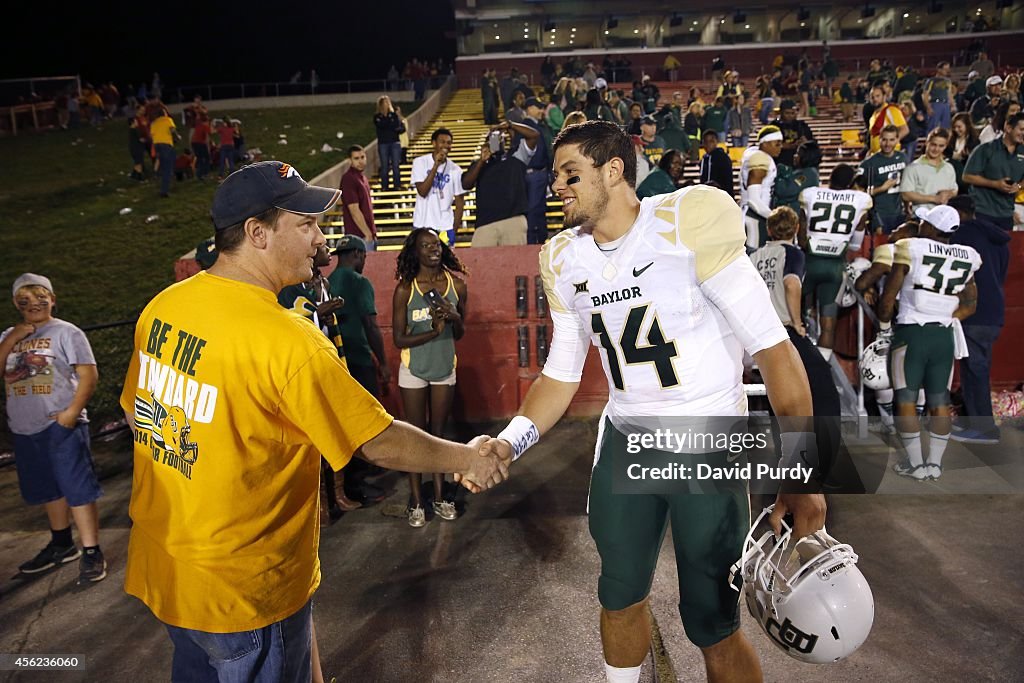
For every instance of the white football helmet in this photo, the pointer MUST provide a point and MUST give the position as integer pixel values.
(807, 594)
(874, 365)
(853, 270)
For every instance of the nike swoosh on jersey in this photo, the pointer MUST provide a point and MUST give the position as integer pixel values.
(638, 273)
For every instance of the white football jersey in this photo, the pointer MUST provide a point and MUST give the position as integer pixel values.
(938, 273)
(832, 216)
(754, 159)
(666, 348)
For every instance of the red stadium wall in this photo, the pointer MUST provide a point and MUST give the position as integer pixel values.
(490, 382)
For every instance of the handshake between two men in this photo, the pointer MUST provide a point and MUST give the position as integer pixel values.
(490, 468)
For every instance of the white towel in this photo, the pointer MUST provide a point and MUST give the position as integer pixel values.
(959, 340)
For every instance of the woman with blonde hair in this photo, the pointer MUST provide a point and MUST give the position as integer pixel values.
(1011, 89)
(962, 141)
(389, 148)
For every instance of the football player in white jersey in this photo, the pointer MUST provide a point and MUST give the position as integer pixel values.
(757, 178)
(664, 289)
(935, 284)
(833, 220)
(881, 266)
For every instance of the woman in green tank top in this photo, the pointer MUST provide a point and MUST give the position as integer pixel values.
(429, 308)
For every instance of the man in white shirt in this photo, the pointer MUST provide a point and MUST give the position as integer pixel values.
(439, 193)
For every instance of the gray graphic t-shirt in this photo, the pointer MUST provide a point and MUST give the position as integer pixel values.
(39, 377)
(775, 260)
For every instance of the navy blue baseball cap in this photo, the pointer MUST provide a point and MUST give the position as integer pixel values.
(265, 185)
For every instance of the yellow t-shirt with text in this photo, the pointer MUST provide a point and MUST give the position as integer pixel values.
(234, 399)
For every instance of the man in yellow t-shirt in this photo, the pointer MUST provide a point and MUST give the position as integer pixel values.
(885, 114)
(232, 399)
(164, 134)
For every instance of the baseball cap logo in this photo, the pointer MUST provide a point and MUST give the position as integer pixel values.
(288, 171)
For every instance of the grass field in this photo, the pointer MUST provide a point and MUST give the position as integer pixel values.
(62, 193)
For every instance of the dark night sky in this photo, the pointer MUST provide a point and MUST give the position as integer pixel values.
(266, 41)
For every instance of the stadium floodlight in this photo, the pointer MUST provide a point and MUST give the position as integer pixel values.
(739, 18)
(867, 12)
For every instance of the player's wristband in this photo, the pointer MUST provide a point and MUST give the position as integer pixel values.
(521, 433)
(799, 448)
(884, 326)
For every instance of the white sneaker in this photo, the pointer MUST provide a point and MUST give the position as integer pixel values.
(445, 510)
(916, 472)
(934, 471)
(417, 517)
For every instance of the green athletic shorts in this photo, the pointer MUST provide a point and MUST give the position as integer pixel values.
(822, 282)
(922, 356)
(707, 532)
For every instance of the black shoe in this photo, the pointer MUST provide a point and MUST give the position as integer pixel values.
(50, 556)
(92, 567)
(366, 493)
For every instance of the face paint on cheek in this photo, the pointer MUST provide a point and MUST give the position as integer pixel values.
(573, 180)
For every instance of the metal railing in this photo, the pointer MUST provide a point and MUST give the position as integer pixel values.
(222, 91)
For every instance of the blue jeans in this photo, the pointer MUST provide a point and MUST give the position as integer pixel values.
(975, 371)
(536, 203)
(390, 158)
(939, 117)
(889, 223)
(280, 652)
(166, 155)
(227, 158)
(766, 109)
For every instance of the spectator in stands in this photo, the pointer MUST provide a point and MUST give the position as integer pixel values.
(930, 180)
(164, 135)
(1011, 89)
(428, 317)
(489, 94)
(226, 142)
(730, 86)
(995, 172)
(739, 120)
(393, 78)
(575, 117)
(515, 113)
(830, 70)
(547, 75)
(439, 193)
(847, 98)
(716, 164)
(403, 137)
(185, 165)
(883, 173)
(649, 94)
(781, 264)
(620, 110)
(596, 109)
(671, 67)
(500, 179)
(137, 146)
(975, 89)
(884, 114)
(984, 107)
(962, 141)
(692, 123)
(937, 97)
(994, 129)
(906, 83)
(636, 115)
(192, 112)
(665, 177)
(717, 67)
(389, 150)
(794, 131)
(654, 144)
(714, 118)
(538, 169)
(241, 155)
(508, 85)
(200, 141)
(917, 123)
(983, 65)
(357, 200)
(791, 181)
(981, 329)
(50, 376)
